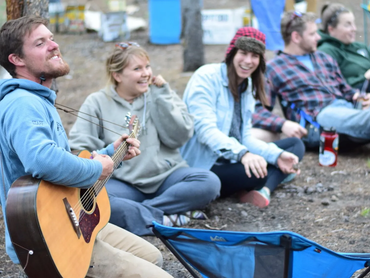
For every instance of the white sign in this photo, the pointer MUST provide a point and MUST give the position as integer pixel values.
(114, 27)
(219, 26)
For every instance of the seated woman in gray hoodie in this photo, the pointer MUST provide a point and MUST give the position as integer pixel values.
(158, 185)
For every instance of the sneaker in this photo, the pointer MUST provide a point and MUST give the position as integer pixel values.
(259, 198)
(175, 220)
(289, 178)
(196, 214)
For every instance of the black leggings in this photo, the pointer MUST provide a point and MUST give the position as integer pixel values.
(234, 179)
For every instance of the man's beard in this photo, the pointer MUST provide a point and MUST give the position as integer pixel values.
(307, 48)
(62, 70)
(50, 70)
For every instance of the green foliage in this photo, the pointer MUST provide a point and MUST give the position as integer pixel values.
(365, 212)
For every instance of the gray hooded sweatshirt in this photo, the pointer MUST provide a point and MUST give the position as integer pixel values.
(165, 126)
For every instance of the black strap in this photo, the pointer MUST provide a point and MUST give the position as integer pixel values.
(364, 86)
(304, 117)
(286, 243)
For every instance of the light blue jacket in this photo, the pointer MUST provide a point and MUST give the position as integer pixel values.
(210, 101)
(33, 142)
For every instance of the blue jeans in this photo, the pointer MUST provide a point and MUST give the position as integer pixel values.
(184, 190)
(342, 116)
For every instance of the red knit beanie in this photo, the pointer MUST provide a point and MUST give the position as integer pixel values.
(251, 40)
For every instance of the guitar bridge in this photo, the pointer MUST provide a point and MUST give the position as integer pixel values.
(72, 217)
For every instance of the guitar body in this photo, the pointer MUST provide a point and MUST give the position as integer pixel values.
(47, 242)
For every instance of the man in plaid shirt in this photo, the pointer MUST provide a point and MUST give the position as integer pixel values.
(312, 81)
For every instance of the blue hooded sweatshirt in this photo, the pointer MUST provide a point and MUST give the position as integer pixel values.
(33, 142)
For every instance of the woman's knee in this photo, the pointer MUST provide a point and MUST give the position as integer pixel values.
(295, 146)
(299, 148)
(204, 189)
(213, 185)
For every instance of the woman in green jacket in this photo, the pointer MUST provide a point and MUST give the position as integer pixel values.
(338, 35)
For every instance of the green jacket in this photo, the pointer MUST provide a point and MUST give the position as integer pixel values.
(353, 59)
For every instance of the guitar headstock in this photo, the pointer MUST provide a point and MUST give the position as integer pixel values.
(133, 124)
(128, 119)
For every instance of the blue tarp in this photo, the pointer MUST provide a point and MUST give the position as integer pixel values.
(268, 13)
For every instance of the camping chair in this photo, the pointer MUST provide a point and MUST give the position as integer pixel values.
(283, 254)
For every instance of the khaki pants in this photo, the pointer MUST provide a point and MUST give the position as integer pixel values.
(267, 136)
(118, 253)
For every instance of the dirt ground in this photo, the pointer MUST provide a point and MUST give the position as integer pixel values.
(328, 205)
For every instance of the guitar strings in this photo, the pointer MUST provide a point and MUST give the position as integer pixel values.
(88, 198)
(117, 157)
(121, 152)
(123, 147)
(64, 109)
(99, 184)
(75, 112)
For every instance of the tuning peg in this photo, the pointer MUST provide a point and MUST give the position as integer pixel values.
(128, 118)
(137, 126)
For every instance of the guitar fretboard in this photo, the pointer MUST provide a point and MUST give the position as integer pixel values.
(117, 158)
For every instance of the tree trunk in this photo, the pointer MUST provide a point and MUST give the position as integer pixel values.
(192, 34)
(36, 7)
(14, 9)
(19, 8)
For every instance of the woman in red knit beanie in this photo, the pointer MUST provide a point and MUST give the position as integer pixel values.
(221, 97)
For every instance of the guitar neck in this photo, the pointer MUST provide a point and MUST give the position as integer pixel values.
(117, 158)
(121, 151)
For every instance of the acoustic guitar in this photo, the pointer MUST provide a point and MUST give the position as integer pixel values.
(53, 227)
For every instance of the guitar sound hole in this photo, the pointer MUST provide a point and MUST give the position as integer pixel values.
(87, 197)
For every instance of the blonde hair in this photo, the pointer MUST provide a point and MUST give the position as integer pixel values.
(118, 60)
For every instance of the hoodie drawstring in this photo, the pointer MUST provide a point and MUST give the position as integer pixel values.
(144, 117)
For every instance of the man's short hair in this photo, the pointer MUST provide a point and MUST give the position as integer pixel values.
(12, 35)
(295, 21)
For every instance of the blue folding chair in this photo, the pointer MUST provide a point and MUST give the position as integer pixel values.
(282, 254)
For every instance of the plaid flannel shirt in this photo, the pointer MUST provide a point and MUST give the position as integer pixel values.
(291, 81)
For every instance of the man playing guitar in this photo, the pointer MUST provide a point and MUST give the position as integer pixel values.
(33, 142)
